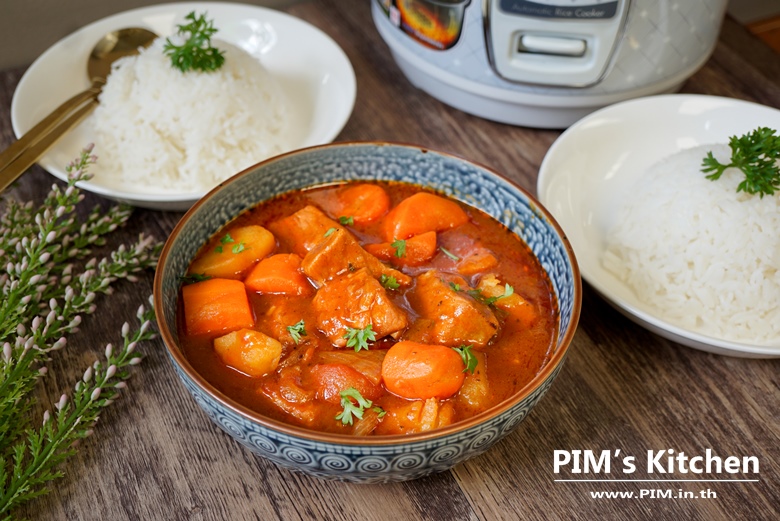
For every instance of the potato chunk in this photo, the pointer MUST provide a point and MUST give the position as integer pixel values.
(249, 351)
(356, 299)
(474, 395)
(455, 318)
(237, 251)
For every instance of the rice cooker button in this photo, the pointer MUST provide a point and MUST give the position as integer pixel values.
(551, 45)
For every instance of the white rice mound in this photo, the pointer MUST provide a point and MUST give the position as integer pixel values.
(160, 130)
(701, 255)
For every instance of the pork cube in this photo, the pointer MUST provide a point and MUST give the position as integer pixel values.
(339, 253)
(457, 318)
(304, 229)
(355, 300)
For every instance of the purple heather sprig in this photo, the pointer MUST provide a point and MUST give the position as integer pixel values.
(45, 289)
(36, 456)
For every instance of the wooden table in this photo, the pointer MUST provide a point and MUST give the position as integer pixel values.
(155, 455)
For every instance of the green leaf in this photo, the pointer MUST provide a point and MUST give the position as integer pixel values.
(489, 301)
(388, 281)
(353, 404)
(469, 360)
(196, 53)
(238, 248)
(400, 247)
(297, 331)
(358, 338)
(329, 232)
(756, 154)
(193, 278)
(227, 239)
(449, 254)
(346, 221)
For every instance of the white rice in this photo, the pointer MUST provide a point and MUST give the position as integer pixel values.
(160, 130)
(699, 254)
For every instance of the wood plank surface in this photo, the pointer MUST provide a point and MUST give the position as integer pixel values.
(155, 455)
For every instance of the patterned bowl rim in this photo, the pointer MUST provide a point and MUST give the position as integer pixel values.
(555, 360)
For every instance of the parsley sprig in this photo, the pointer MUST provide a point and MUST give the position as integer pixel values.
(489, 301)
(399, 245)
(358, 338)
(449, 254)
(196, 53)
(756, 154)
(469, 360)
(227, 239)
(388, 281)
(355, 408)
(192, 278)
(477, 295)
(297, 331)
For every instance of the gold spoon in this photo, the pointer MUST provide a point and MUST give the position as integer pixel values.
(22, 154)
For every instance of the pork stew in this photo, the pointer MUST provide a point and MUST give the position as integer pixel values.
(367, 308)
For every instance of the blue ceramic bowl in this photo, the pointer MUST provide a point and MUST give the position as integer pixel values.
(385, 458)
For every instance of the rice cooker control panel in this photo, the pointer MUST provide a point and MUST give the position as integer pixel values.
(567, 43)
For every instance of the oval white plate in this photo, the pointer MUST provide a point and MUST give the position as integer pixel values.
(311, 68)
(594, 161)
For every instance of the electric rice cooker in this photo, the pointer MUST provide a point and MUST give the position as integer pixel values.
(547, 63)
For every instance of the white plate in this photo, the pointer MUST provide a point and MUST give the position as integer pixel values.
(600, 156)
(311, 68)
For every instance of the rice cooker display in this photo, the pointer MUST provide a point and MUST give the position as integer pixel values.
(553, 42)
(434, 23)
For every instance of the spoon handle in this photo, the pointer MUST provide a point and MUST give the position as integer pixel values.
(36, 149)
(46, 124)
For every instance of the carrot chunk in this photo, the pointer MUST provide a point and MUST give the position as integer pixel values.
(420, 213)
(236, 252)
(331, 379)
(413, 370)
(414, 251)
(280, 273)
(249, 351)
(216, 305)
(364, 203)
